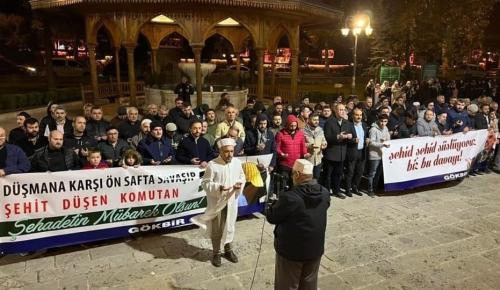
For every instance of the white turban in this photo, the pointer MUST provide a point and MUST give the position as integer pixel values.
(226, 142)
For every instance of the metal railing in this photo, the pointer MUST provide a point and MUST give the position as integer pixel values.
(111, 90)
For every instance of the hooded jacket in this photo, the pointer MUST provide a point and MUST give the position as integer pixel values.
(300, 216)
(293, 145)
(376, 136)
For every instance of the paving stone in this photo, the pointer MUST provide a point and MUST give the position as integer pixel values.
(333, 281)
(446, 234)
(360, 276)
(410, 242)
(72, 258)
(264, 278)
(224, 283)
(40, 263)
(184, 279)
(493, 255)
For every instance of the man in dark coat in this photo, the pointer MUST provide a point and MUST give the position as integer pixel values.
(260, 140)
(194, 149)
(78, 140)
(113, 148)
(18, 133)
(156, 148)
(338, 133)
(458, 118)
(54, 157)
(300, 216)
(482, 120)
(12, 158)
(185, 119)
(96, 126)
(131, 126)
(184, 90)
(33, 140)
(61, 123)
(247, 113)
(356, 153)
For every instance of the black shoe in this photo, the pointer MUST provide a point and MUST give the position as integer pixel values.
(348, 193)
(371, 193)
(216, 260)
(356, 191)
(473, 174)
(339, 195)
(487, 171)
(230, 256)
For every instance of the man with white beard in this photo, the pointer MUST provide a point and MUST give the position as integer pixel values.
(223, 182)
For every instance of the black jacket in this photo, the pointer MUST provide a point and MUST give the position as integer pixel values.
(336, 148)
(128, 129)
(97, 128)
(85, 142)
(29, 147)
(184, 91)
(352, 148)
(189, 149)
(480, 121)
(250, 145)
(68, 126)
(183, 123)
(40, 160)
(115, 154)
(300, 216)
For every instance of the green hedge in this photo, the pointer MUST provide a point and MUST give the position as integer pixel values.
(37, 99)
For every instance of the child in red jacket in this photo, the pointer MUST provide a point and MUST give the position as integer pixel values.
(94, 160)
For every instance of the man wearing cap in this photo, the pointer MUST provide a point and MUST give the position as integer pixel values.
(223, 182)
(134, 141)
(155, 148)
(172, 135)
(300, 216)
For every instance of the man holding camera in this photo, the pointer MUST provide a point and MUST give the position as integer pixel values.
(300, 216)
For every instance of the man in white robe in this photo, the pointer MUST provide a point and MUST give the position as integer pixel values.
(223, 182)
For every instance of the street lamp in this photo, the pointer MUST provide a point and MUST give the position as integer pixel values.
(358, 24)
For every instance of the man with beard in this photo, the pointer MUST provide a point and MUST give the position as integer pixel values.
(12, 158)
(441, 122)
(326, 113)
(33, 140)
(223, 182)
(247, 113)
(338, 133)
(194, 149)
(96, 126)
(482, 117)
(134, 141)
(48, 119)
(440, 106)
(212, 124)
(277, 124)
(204, 131)
(155, 148)
(185, 119)
(290, 146)
(260, 141)
(78, 140)
(131, 126)
(427, 126)
(18, 133)
(316, 143)
(356, 153)
(61, 122)
(458, 118)
(54, 157)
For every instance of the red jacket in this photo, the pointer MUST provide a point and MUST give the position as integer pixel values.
(294, 146)
(101, 165)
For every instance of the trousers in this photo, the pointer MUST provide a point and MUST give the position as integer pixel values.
(292, 275)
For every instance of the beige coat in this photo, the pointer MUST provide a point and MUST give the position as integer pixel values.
(315, 139)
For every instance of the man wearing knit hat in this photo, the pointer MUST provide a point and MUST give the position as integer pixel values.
(155, 148)
(223, 182)
(300, 216)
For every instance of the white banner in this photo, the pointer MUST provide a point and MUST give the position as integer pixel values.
(413, 162)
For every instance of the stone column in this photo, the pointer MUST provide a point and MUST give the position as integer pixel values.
(260, 62)
(130, 47)
(238, 68)
(93, 72)
(197, 59)
(117, 72)
(154, 60)
(294, 74)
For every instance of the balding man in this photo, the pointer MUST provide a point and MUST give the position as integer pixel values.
(223, 127)
(78, 140)
(12, 158)
(54, 157)
(300, 216)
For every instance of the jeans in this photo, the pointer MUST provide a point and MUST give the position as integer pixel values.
(374, 174)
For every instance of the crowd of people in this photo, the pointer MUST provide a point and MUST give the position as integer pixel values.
(343, 139)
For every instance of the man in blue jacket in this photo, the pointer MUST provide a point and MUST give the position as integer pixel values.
(458, 118)
(12, 158)
(194, 149)
(155, 148)
(300, 216)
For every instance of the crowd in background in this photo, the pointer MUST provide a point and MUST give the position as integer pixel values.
(342, 137)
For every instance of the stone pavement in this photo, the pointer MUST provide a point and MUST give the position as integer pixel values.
(441, 238)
